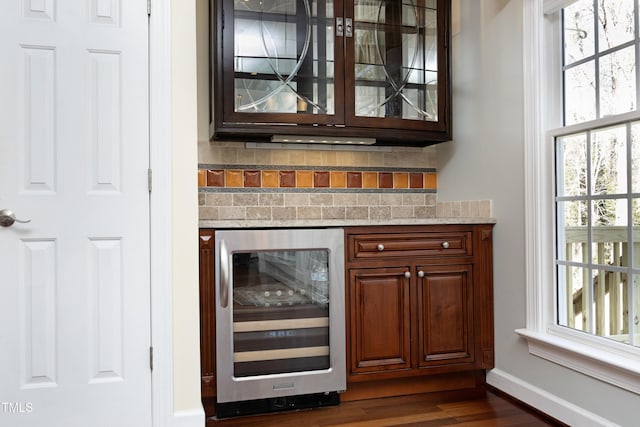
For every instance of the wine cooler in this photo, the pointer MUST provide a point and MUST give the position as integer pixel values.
(280, 322)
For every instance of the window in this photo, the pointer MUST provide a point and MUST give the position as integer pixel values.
(582, 148)
(597, 199)
(600, 43)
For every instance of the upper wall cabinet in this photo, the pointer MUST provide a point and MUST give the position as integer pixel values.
(338, 69)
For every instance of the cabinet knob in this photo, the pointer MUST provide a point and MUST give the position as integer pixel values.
(420, 273)
(380, 247)
(407, 275)
(445, 245)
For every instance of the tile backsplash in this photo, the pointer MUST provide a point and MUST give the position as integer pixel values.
(235, 153)
(216, 177)
(237, 182)
(309, 206)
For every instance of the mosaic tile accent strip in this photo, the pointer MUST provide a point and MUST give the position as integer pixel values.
(212, 177)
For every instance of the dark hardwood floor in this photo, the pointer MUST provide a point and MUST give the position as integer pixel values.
(480, 409)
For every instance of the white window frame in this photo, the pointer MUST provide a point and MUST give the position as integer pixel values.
(598, 357)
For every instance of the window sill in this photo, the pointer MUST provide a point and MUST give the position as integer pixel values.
(620, 367)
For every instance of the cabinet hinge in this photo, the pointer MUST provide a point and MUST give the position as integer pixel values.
(149, 179)
(151, 358)
(149, 7)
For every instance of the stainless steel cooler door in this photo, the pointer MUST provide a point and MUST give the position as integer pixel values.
(280, 313)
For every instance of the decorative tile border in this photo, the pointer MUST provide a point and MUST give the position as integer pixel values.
(301, 178)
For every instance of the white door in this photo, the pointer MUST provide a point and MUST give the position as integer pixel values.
(74, 155)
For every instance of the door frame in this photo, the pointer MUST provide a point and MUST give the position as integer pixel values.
(162, 222)
(161, 218)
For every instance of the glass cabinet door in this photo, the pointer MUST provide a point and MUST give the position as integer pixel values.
(375, 69)
(281, 61)
(396, 64)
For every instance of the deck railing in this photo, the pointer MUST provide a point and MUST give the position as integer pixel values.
(602, 307)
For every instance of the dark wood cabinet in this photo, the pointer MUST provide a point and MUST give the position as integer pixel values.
(332, 69)
(420, 300)
(419, 309)
(445, 315)
(380, 319)
(207, 319)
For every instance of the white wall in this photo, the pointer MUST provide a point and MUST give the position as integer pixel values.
(486, 160)
(202, 28)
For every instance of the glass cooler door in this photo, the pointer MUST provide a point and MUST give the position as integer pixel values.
(280, 312)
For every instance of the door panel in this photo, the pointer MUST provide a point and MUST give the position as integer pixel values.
(380, 320)
(74, 155)
(445, 299)
(396, 65)
(281, 62)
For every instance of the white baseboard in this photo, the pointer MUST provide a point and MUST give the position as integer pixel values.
(544, 401)
(194, 418)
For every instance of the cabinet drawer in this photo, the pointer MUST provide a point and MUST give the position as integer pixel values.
(377, 246)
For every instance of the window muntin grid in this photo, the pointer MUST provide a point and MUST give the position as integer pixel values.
(598, 231)
(597, 200)
(600, 47)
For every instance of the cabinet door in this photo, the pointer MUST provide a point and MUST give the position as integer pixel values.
(379, 320)
(278, 61)
(351, 70)
(397, 65)
(445, 313)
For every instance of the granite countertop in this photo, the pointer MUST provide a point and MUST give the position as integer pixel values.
(339, 222)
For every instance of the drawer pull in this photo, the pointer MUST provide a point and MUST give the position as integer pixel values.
(445, 245)
(380, 247)
(407, 275)
(420, 273)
